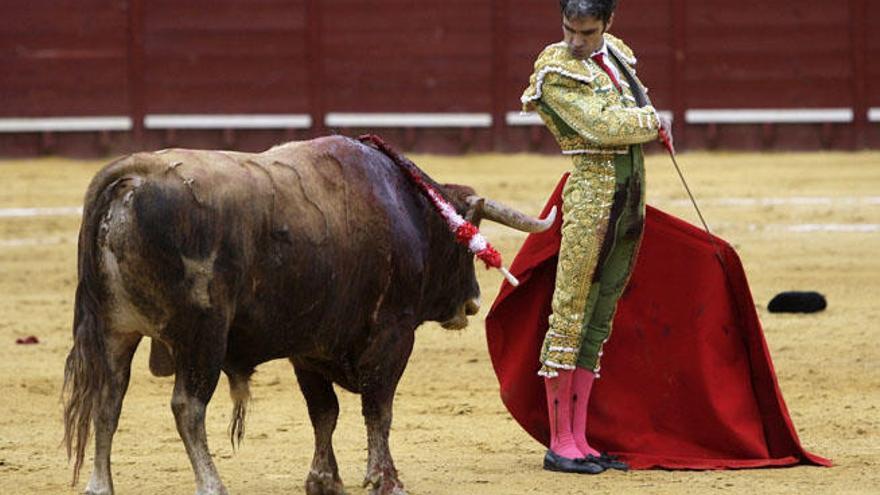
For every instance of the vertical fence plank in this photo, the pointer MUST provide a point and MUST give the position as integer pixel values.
(858, 14)
(136, 104)
(500, 50)
(314, 60)
(677, 66)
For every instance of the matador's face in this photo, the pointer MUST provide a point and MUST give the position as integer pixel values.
(583, 35)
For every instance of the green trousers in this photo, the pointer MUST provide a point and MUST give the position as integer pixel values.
(603, 220)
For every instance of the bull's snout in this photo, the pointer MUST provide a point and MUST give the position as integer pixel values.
(460, 321)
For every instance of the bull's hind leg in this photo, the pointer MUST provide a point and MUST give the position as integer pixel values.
(200, 347)
(323, 407)
(120, 349)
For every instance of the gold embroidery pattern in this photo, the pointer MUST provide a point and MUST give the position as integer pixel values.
(592, 121)
(602, 120)
(581, 94)
(586, 205)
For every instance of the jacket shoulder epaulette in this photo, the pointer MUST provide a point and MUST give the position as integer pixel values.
(555, 59)
(621, 49)
(554, 54)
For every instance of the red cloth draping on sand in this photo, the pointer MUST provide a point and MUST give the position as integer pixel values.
(687, 380)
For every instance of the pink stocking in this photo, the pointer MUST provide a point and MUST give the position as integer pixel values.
(559, 410)
(581, 386)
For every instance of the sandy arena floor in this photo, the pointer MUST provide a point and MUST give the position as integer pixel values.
(799, 221)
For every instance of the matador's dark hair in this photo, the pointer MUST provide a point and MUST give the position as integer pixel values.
(578, 9)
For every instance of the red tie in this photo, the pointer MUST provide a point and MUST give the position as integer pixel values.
(600, 59)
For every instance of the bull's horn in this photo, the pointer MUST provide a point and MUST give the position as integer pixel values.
(505, 215)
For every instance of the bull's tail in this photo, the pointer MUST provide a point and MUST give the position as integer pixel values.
(87, 370)
(240, 390)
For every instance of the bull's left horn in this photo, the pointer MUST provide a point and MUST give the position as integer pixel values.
(505, 215)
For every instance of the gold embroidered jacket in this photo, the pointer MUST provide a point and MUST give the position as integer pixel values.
(578, 102)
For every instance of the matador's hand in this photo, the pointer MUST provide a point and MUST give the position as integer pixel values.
(666, 133)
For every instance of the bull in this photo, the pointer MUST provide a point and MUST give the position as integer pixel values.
(320, 252)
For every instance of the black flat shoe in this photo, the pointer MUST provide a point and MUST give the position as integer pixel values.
(607, 461)
(555, 462)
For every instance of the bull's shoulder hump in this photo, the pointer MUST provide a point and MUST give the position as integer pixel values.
(335, 145)
(342, 150)
(284, 147)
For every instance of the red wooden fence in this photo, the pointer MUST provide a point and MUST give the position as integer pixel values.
(106, 76)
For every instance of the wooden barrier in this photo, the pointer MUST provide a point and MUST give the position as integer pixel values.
(137, 74)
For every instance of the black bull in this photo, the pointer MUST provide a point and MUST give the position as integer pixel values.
(321, 252)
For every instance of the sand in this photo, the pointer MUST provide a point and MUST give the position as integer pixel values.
(799, 221)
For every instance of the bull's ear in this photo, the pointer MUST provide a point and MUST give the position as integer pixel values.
(475, 212)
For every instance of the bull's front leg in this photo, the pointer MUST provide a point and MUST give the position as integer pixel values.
(323, 407)
(381, 473)
(377, 398)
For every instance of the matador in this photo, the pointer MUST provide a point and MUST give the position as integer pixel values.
(586, 92)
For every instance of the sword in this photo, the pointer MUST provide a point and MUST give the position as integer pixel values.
(664, 138)
(642, 100)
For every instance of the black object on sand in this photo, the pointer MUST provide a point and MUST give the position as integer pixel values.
(797, 302)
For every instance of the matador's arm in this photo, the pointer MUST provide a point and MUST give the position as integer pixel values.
(586, 111)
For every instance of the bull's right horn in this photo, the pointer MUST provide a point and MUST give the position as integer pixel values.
(505, 215)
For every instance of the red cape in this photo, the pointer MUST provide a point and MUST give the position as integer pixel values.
(687, 381)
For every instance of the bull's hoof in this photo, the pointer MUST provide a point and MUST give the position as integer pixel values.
(324, 484)
(212, 489)
(384, 485)
(96, 487)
